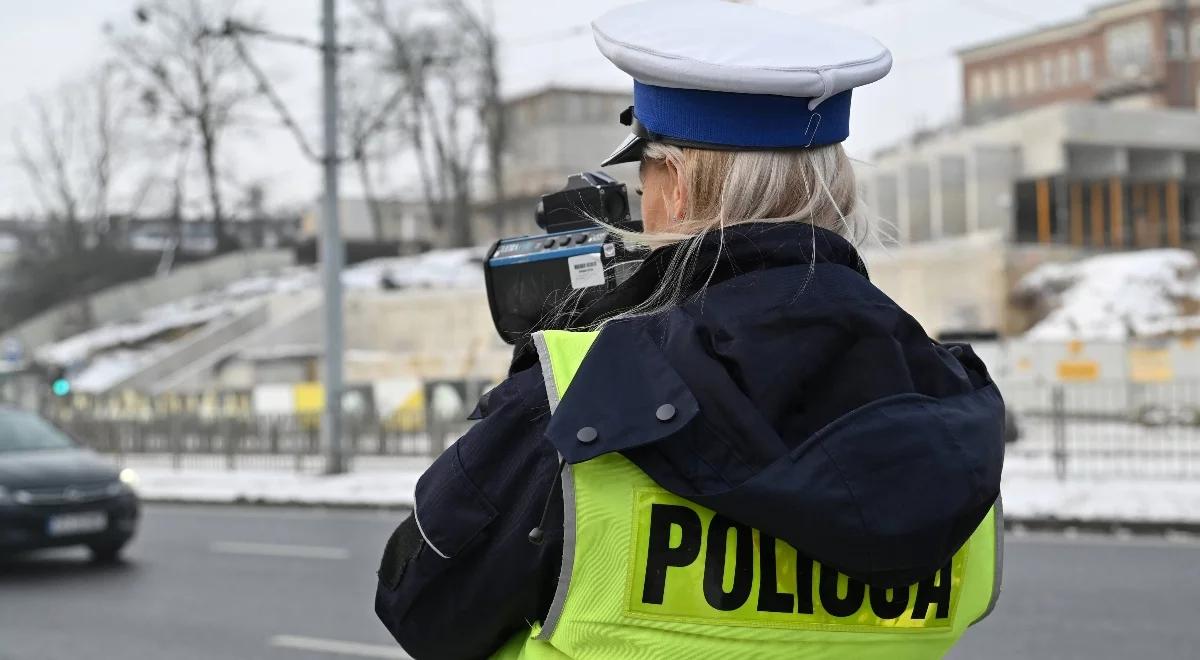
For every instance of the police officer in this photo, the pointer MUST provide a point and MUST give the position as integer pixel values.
(748, 450)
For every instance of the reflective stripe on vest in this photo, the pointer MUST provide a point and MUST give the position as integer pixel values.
(648, 574)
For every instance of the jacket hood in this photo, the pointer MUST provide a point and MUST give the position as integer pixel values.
(805, 403)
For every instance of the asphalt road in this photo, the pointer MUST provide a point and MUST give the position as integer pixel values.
(201, 583)
(234, 583)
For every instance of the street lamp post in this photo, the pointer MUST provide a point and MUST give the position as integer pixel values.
(331, 250)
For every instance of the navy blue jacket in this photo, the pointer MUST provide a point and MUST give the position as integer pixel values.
(808, 405)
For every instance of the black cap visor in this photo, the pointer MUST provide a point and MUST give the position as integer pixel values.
(629, 151)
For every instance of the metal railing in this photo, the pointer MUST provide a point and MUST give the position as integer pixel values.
(182, 440)
(1111, 430)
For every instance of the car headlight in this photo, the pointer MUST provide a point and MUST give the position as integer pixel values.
(129, 478)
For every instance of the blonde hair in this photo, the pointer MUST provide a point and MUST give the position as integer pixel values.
(814, 186)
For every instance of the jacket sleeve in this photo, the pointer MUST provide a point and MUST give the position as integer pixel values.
(460, 577)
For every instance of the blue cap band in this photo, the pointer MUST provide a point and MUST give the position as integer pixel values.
(751, 121)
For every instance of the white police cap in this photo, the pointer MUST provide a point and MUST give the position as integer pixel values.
(720, 75)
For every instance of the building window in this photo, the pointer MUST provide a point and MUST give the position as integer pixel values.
(1047, 73)
(1065, 75)
(1084, 63)
(978, 90)
(575, 109)
(1014, 80)
(598, 110)
(533, 111)
(1176, 41)
(1031, 79)
(996, 82)
(613, 108)
(1128, 47)
(1196, 39)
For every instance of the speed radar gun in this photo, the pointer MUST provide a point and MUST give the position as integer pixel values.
(533, 282)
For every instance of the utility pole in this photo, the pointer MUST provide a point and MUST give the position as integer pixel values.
(331, 250)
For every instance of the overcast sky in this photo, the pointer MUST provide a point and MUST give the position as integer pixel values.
(44, 43)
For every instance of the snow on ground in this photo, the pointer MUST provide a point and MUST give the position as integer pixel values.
(390, 481)
(111, 367)
(109, 353)
(1102, 499)
(1116, 296)
(152, 323)
(460, 268)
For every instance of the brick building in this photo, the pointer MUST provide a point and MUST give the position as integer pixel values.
(1132, 54)
(1077, 134)
(1076, 138)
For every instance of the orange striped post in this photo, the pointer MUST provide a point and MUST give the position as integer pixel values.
(1097, 214)
(1174, 233)
(1139, 214)
(1043, 211)
(1153, 214)
(1116, 211)
(1077, 214)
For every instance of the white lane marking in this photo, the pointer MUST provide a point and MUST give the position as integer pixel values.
(337, 647)
(275, 550)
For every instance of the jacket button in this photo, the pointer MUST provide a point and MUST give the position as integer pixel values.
(586, 435)
(665, 412)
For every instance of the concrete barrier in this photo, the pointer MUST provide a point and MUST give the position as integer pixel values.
(215, 335)
(125, 301)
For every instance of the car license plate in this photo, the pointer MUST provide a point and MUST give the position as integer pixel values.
(69, 524)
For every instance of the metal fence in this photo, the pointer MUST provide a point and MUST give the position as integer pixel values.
(182, 440)
(1118, 430)
(1111, 430)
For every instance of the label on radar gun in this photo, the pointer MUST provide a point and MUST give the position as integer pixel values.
(586, 270)
(690, 564)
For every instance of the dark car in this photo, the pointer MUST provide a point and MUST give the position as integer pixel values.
(55, 493)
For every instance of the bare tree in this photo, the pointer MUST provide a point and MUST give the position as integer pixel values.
(486, 63)
(70, 152)
(48, 170)
(367, 117)
(368, 120)
(193, 77)
(178, 185)
(447, 62)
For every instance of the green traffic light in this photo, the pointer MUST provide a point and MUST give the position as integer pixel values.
(61, 387)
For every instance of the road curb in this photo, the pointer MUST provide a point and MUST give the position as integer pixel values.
(1114, 527)
(279, 504)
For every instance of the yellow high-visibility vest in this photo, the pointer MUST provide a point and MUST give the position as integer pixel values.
(648, 574)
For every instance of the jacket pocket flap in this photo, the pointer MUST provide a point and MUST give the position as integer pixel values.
(449, 510)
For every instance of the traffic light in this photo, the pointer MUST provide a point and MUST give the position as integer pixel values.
(61, 387)
(60, 384)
